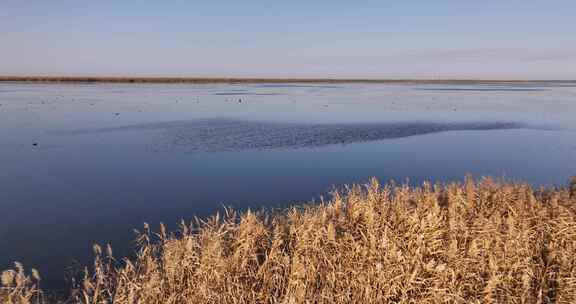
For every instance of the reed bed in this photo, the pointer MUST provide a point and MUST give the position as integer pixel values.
(196, 80)
(481, 241)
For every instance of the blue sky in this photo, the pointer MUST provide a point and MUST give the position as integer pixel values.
(348, 39)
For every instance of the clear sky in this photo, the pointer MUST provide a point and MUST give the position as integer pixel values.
(504, 39)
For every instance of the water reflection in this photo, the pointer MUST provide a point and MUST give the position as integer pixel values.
(88, 163)
(479, 89)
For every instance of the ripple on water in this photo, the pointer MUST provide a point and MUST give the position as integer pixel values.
(218, 135)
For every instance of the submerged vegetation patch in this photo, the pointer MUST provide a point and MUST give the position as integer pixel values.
(216, 135)
(473, 242)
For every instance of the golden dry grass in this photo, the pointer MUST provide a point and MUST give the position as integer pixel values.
(473, 242)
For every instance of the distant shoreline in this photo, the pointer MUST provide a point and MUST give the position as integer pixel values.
(204, 80)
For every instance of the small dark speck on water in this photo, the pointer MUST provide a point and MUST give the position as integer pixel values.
(239, 100)
(116, 114)
(35, 144)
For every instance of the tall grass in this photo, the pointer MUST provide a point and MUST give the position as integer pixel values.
(472, 242)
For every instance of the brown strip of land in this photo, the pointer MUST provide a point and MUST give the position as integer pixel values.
(94, 79)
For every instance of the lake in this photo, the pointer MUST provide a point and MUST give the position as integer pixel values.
(87, 163)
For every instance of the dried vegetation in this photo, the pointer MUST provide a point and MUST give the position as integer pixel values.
(474, 242)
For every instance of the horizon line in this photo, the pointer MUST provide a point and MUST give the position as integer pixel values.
(181, 79)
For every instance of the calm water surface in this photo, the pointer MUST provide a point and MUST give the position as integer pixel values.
(87, 163)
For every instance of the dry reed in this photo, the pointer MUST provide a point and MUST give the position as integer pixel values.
(472, 242)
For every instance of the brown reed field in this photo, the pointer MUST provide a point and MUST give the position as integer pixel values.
(133, 79)
(478, 241)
